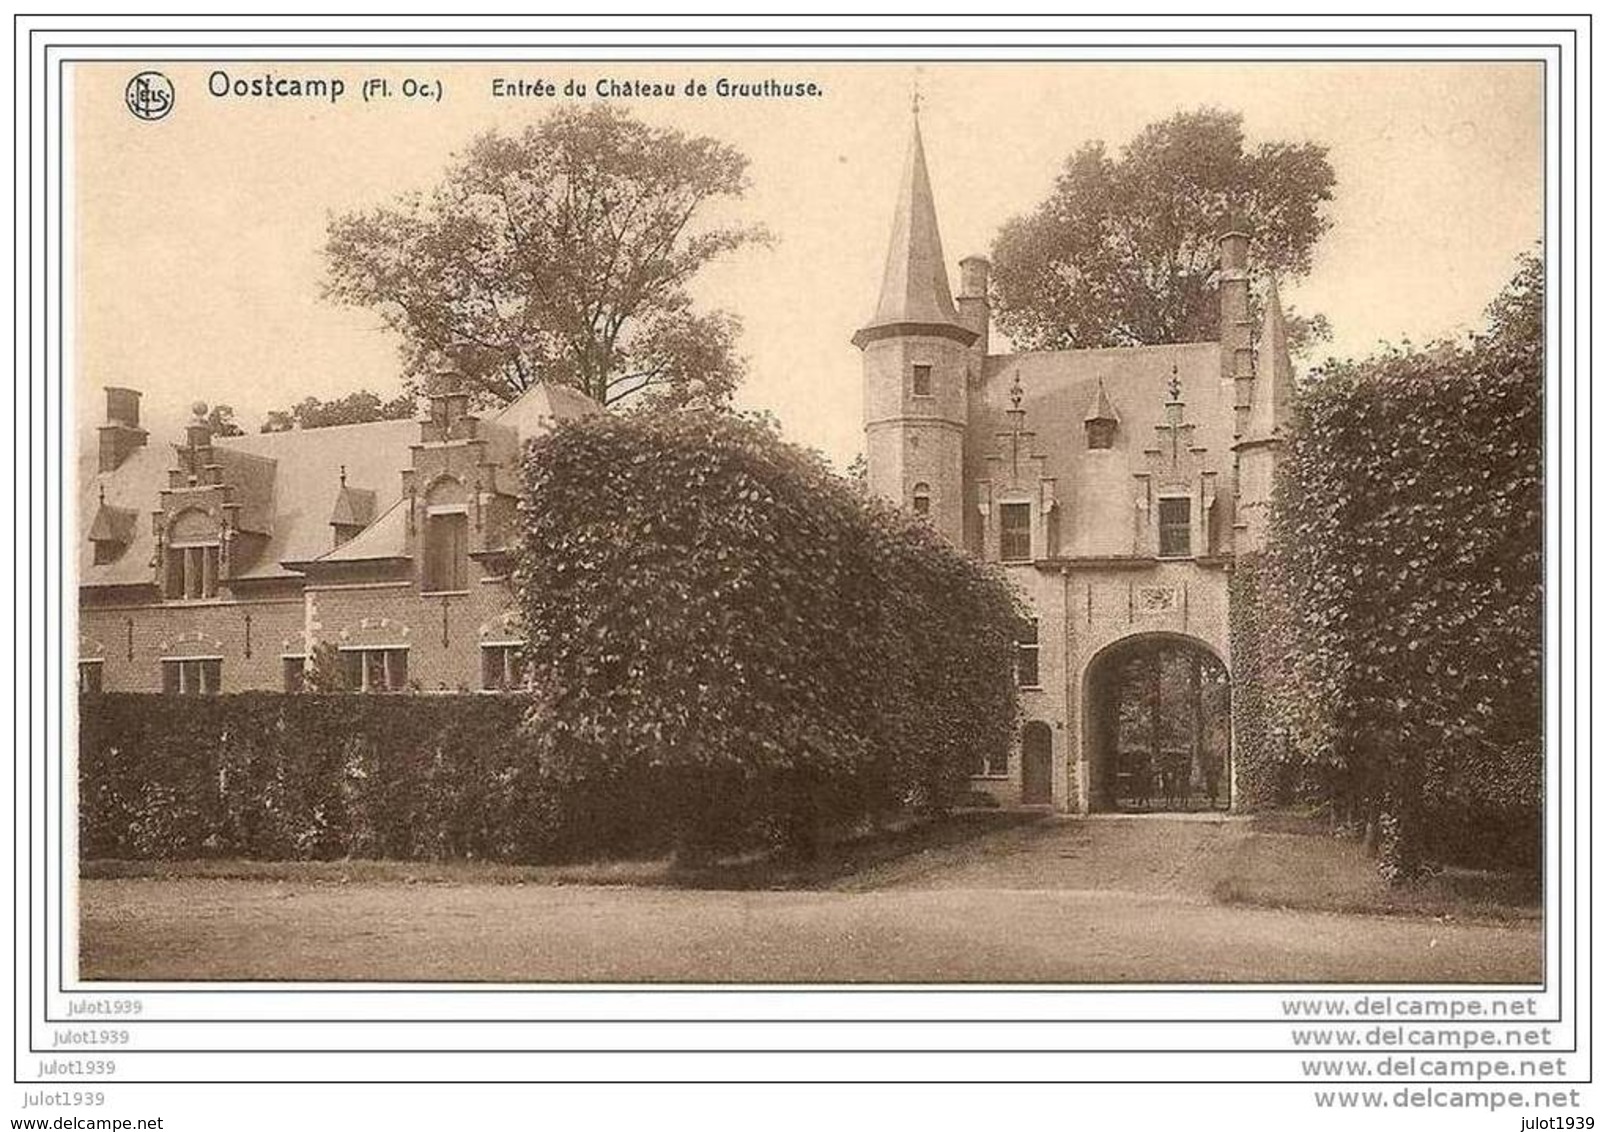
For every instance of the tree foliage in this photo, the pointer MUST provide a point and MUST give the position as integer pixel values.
(1124, 252)
(222, 422)
(708, 604)
(360, 407)
(562, 254)
(1404, 592)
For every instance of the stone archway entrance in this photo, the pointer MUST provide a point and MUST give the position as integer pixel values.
(1158, 711)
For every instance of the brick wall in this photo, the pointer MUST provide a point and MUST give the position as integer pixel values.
(442, 633)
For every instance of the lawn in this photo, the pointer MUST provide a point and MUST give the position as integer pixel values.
(1287, 864)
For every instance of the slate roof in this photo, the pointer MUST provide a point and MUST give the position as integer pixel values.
(914, 285)
(289, 483)
(1061, 390)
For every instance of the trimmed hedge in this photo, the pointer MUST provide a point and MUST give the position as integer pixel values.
(271, 776)
(1403, 594)
(711, 605)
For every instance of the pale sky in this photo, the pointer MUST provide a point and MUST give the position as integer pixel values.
(198, 237)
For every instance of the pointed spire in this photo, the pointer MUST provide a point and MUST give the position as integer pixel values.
(1271, 404)
(915, 296)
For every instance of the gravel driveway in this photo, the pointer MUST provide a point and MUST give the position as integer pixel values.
(1059, 901)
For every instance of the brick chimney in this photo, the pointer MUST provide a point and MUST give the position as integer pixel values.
(121, 433)
(974, 313)
(449, 417)
(1237, 329)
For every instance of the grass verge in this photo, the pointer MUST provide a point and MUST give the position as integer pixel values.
(1284, 865)
(746, 872)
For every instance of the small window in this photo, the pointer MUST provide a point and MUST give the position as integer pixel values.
(922, 499)
(1026, 649)
(295, 674)
(922, 381)
(501, 668)
(1015, 532)
(200, 676)
(1101, 433)
(375, 670)
(89, 677)
(997, 765)
(1176, 528)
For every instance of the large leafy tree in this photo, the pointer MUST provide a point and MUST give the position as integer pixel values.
(561, 254)
(360, 407)
(1124, 250)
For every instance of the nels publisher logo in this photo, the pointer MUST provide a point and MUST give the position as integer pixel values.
(149, 96)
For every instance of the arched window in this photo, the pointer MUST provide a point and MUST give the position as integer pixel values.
(922, 499)
(445, 537)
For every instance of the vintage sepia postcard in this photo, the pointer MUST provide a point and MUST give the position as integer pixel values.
(579, 550)
(808, 522)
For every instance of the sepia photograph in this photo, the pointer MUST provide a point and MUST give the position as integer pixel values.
(848, 523)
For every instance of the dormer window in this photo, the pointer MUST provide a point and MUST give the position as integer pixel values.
(193, 557)
(1101, 422)
(922, 381)
(192, 572)
(353, 510)
(446, 538)
(111, 531)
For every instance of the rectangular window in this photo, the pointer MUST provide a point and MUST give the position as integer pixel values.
(1026, 649)
(1015, 532)
(922, 381)
(191, 573)
(1176, 528)
(198, 676)
(997, 765)
(501, 668)
(374, 670)
(295, 674)
(446, 552)
(89, 677)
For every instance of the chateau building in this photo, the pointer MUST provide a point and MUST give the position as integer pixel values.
(1117, 488)
(219, 564)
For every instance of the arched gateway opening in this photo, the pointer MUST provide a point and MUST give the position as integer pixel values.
(1159, 726)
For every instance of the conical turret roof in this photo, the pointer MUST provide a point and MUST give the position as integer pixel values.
(915, 296)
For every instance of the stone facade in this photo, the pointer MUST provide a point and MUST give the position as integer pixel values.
(221, 563)
(1116, 487)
